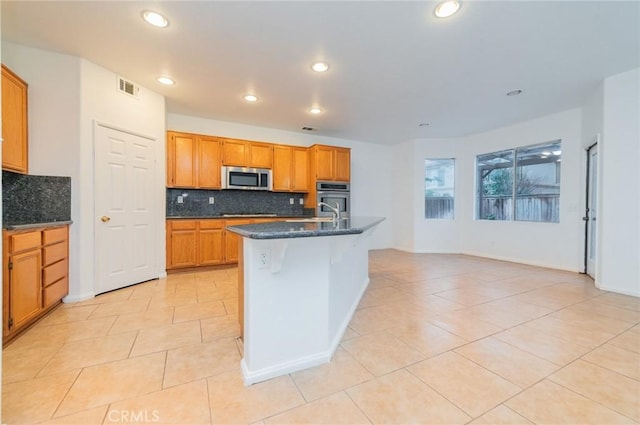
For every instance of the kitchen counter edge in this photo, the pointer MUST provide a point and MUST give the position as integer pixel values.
(287, 229)
(35, 225)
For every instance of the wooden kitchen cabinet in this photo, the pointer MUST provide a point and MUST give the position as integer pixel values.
(193, 161)
(36, 270)
(290, 169)
(25, 288)
(55, 265)
(210, 242)
(182, 243)
(342, 168)
(261, 155)
(15, 151)
(232, 240)
(330, 163)
(194, 243)
(243, 153)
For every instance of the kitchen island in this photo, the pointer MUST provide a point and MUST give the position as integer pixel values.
(299, 285)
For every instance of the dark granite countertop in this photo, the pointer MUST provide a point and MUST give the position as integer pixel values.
(35, 225)
(297, 229)
(231, 216)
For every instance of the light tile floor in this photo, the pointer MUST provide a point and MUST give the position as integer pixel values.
(437, 339)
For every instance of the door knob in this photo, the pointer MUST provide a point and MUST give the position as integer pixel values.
(104, 218)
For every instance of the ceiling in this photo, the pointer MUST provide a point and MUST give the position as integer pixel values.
(393, 65)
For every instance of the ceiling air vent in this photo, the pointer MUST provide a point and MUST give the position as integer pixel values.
(127, 87)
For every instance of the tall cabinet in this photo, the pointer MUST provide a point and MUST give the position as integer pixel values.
(15, 152)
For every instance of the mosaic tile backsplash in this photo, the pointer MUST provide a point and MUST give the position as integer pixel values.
(29, 199)
(195, 203)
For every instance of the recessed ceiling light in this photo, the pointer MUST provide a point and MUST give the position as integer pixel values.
(155, 19)
(514, 92)
(320, 66)
(315, 111)
(250, 97)
(166, 81)
(447, 8)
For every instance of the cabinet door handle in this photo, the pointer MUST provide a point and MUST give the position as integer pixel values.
(105, 218)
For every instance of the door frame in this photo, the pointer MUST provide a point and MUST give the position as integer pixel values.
(158, 222)
(587, 211)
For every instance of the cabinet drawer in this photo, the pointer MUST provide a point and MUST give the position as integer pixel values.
(55, 252)
(182, 224)
(54, 272)
(53, 293)
(23, 241)
(54, 235)
(211, 224)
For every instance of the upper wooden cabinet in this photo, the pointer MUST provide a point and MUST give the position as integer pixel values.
(193, 161)
(290, 169)
(243, 153)
(330, 163)
(15, 150)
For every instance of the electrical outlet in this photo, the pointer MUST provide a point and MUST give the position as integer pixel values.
(264, 258)
(212, 200)
(291, 201)
(301, 201)
(180, 199)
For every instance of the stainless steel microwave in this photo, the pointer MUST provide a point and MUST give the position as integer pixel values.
(244, 178)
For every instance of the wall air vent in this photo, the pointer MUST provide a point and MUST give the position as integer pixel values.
(127, 87)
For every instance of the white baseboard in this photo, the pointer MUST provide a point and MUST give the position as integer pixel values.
(283, 368)
(77, 298)
(618, 291)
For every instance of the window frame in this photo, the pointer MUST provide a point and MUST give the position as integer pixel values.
(515, 180)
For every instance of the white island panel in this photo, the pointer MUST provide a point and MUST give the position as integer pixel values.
(299, 305)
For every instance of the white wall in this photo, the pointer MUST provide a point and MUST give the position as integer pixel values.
(371, 165)
(620, 185)
(444, 236)
(54, 126)
(555, 245)
(66, 96)
(403, 196)
(101, 102)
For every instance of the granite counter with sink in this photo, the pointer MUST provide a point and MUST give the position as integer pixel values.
(299, 284)
(306, 227)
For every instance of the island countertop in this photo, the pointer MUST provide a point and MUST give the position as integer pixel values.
(303, 229)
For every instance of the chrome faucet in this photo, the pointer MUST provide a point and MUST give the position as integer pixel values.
(336, 210)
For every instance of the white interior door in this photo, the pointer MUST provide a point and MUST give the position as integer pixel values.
(124, 198)
(592, 212)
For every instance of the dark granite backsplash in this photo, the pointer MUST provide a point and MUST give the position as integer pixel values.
(28, 199)
(196, 203)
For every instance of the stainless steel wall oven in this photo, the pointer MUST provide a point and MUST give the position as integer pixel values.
(333, 193)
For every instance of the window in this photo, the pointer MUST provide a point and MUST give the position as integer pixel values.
(439, 188)
(534, 194)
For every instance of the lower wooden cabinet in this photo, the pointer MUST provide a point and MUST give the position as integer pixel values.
(195, 243)
(36, 275)
(231, 240)
(210, 243)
